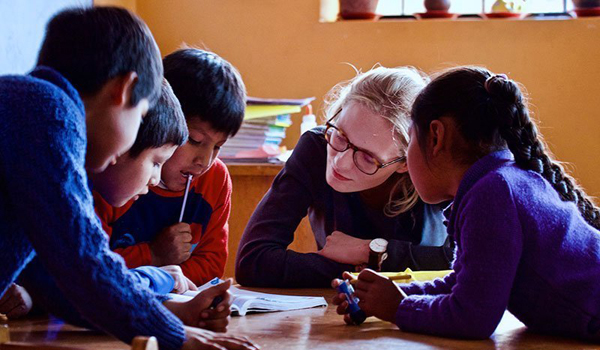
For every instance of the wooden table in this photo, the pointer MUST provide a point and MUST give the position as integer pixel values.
(311, 329)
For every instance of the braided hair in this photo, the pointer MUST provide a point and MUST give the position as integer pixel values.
(491, 113)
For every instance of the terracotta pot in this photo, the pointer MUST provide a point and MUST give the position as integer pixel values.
(586, 3)
(437, 5)
(358, 9)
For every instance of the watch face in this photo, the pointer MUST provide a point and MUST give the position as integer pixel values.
(378, 245)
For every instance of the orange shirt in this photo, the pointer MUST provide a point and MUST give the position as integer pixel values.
(132, 226)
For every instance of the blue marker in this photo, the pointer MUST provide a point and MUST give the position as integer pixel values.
(218, 299)
(357, 315)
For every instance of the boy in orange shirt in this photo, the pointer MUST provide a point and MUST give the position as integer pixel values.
(147, 231)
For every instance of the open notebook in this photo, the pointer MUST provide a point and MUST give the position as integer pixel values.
(245, 301)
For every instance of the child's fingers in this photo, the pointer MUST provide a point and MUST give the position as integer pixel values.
(182, 227)
(348, 319)
(336, 282)
(368, 275)
(339, 298)
(226, 302)
(186, 248)
(218, 289)
(190, 284)
(213, 314)
(348, 276)
(186, 237)
(342, 309)
(362, 286)
(360, 294)
(218, 325)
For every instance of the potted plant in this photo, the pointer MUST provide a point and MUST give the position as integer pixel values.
(358, 9)
(587, 8)
(507, 9)
(436, 9)
(437, 5)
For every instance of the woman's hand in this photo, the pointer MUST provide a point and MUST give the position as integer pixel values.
(346, 249)
(201, 339)
(379, 296)
(182, 283)
(198, 312)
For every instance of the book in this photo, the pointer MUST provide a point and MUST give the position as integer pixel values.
(261, 111)
(279, 101)
(245, 301)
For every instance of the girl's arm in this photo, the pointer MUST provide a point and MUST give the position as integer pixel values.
(263, 258)
(490, 242)
(438, 286)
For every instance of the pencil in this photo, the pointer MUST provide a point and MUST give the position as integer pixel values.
(187, 189)
(400, 277)
(393, 278)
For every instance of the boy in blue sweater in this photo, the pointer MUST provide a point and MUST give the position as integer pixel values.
(98, 72)
(162, 131)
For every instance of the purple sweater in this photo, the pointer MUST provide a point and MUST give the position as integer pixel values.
(519, 247)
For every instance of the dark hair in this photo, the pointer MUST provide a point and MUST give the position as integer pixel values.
(491, 113)
(208, 87)
(163, 124)
(90, 46)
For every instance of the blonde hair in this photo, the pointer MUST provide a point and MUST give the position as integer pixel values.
(390, 93)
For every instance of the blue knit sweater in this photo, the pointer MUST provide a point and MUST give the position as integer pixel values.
(46, 209)
(519, 246)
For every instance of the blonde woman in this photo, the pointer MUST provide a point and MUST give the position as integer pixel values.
(350, 177)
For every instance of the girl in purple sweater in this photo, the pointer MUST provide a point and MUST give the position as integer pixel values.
(526, 235)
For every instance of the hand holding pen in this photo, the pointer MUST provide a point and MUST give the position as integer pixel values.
(203, 311)
(378, 296)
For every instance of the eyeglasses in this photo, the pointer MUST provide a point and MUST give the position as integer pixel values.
(364, 160)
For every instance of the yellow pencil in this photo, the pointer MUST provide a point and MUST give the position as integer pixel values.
(400, 277)
(354, 280)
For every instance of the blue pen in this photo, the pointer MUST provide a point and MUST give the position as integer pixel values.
(218, 299)
(357, 315)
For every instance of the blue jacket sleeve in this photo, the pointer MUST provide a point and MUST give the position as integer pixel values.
(155, 279)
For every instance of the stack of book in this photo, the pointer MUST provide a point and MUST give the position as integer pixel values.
(265, 122)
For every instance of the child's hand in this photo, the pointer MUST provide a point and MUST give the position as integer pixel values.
(201, 339)
(341, 301)
(182, 283)
(346, 249)
(379, 296)
(16, 302)
(198, 313)
(172, 245)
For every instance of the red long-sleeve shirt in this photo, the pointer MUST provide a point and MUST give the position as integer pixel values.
(132, 226)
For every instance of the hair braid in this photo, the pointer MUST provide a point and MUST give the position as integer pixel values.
(528, 148)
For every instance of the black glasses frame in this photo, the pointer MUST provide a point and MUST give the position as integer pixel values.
(349, 145)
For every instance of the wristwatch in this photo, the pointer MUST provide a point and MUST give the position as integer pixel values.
(377, 253)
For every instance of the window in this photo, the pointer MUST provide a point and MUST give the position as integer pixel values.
(410, 7)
